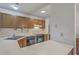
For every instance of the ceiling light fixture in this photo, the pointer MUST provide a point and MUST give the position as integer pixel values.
(15, 7)
(43, 11)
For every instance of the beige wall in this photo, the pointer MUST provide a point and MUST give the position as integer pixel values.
(77, 24)
(62, 23)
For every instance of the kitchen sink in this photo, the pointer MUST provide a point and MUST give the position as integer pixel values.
(14, 38)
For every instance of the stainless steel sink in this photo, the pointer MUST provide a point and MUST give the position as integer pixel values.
(14, 38)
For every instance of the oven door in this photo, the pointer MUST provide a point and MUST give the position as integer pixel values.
(40, 38)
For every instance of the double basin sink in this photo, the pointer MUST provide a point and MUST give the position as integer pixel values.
(14, 38)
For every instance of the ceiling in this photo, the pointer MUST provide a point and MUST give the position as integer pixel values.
(45, 8)
(29, 8)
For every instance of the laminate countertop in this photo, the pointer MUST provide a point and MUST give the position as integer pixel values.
(50, 47)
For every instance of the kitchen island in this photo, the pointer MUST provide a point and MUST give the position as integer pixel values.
(50, 47)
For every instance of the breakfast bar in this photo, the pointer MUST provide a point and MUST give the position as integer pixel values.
(49, 47)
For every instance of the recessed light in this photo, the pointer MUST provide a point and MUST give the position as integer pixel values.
(14, 7)
(43, 11)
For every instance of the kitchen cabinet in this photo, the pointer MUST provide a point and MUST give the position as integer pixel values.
(31, 40)
(0, 20)
(22, 42)
(39, 22)
(30, 24)
(22, 22)
(46, 37)
(27, 22)
(8, 21)
(77, 46)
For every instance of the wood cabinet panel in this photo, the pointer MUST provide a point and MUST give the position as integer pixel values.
(22, 42)
(29, 23)
(22, 22)
(39, 22)
(46, 37)
(8, 21)
(1, 20)
(77, 46)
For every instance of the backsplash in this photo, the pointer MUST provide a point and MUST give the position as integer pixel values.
(24, 32)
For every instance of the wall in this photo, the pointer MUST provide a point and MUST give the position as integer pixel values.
(77, 24)
(62, 23)
(9, 32)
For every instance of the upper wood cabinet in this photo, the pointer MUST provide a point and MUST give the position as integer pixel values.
(22, 22)
(29, 23)
(39, 22)
(0, 19)
(8, 21)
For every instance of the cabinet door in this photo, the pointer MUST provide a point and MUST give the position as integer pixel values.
(22, 22)
(39, 22)
(0, 20)
(8, 21)
(46, 37)
(30, 24)
(22, 42)
(77, 46)
(43, 23)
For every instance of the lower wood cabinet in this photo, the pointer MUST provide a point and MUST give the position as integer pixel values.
(77, 46)
(26, 41)
(46, 37)
(22, 42)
